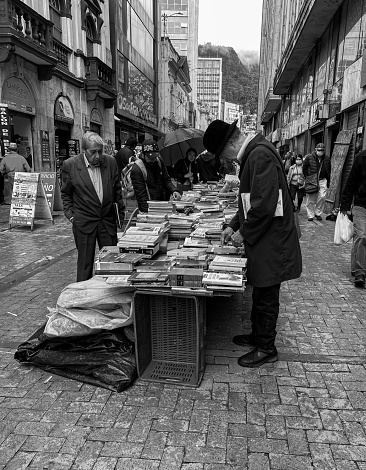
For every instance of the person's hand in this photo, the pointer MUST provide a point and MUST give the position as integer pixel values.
(177, 196)
(226, 235)
(188, 175)
(237, 239)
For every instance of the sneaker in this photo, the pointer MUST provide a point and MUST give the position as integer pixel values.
(360, 280)
(318, 217)
(244, 340)
(310, 219)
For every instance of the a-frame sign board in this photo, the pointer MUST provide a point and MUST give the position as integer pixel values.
(52, 189)
(28, 201)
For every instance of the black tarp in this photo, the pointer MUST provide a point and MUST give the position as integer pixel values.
(105, 359)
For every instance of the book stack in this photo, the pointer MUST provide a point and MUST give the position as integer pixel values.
(149, 279)
(186, 277)
(180, 226)
(223, 281)
(190, 242)
(155, 266)
(147, 245)
(109, 260)
(230, 264)
(160, 207)
(189, 257)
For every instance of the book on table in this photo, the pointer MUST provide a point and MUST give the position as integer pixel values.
(227, 269)
(229, 261)
(153, 265)
(158, 276)
(222, 279)
(117, 263)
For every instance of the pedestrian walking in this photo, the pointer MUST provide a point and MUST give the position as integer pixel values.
(316, 169)
(265, 227)
(9, 165)
(296, 181)
(90, 187)
(355, 191)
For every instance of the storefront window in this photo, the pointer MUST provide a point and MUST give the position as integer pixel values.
(140, 89)
(141, 40)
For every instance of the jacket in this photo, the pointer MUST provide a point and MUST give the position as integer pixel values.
(80, 199)
(271, 243)
(355, 188)
(181, 168)
(123, 156)
(293, 174)
(13, 162)
(208, 167)
(158, 184)
(311, 166)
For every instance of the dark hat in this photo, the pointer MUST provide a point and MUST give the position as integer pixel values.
(217, 134)
(320, 146)
(149, 145)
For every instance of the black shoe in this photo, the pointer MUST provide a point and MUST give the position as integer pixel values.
(331, 217)
(360, 280)
(257, 358)
(310, 219)
(318, 217)
(244, 340)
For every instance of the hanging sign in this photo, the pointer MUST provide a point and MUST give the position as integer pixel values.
(45, 146)
(4, 128)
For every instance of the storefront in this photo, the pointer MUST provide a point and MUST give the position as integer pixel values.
(19, 108)
(65, 147)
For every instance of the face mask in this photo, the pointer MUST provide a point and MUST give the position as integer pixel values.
(320, 153)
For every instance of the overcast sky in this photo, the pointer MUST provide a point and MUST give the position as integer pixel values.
(235, 23)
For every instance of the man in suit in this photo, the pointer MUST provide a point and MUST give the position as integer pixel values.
(90, 187)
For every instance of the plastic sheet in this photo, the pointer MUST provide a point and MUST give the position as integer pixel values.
(105, 359)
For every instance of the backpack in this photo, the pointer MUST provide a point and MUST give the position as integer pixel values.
(126, 176)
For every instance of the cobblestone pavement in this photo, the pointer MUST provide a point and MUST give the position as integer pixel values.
(306, 411)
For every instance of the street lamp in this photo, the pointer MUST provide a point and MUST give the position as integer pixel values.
(166, 16)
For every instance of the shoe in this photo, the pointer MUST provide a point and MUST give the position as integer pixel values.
(244, 340)
(318, 217)
(360, 280)
(331, 217)
(310, 219)
(257, 358)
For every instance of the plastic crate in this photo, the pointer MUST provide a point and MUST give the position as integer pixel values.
(169, 338)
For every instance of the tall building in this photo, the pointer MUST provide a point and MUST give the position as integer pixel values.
(179, 21)
(209, 87)
(135, 33)
(313, 75)
(56, 77)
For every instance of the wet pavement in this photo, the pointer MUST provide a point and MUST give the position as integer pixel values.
(306, 411)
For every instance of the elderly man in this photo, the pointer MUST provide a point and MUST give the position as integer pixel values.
(265, 224)
(150, 178)
(90, 187)
(11, 163)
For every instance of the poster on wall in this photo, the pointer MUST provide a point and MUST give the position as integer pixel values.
(45, 146)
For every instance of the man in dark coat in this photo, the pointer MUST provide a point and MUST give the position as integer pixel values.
(317, 163)
(125, 153)
(90, 187)
(150, 178)
(355, 192)
(265, 224)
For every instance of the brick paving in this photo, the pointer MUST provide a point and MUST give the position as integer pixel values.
(306, 411)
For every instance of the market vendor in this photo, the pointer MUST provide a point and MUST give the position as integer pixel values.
(150, 178)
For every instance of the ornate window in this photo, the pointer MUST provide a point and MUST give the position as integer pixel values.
(55, 17)
(90, 31)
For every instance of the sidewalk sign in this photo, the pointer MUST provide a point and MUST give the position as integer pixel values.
(28, 201)
(52, 190)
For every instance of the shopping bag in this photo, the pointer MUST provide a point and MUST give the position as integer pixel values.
(343, 231)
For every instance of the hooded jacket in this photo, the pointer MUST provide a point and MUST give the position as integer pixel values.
(271, 243)
(208, 167)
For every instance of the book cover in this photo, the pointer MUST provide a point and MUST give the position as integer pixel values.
(229, 261)
(219, 278)
(149, 277)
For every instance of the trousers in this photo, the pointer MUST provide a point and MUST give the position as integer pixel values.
(85, 244)
(264, 314)
(358, 253)
(315, 201)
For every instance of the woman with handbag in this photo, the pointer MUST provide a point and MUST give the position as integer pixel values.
(316, 170)
(296, 181)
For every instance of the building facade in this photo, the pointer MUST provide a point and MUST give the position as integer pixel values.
(135, 33)
(209, 88)
(179, 21)
(56, 79)
(313, 74)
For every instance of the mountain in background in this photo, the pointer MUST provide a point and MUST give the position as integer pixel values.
(240, 75)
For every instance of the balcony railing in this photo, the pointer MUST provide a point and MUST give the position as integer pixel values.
(99, 72)
(62, 53)
(28, 33)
